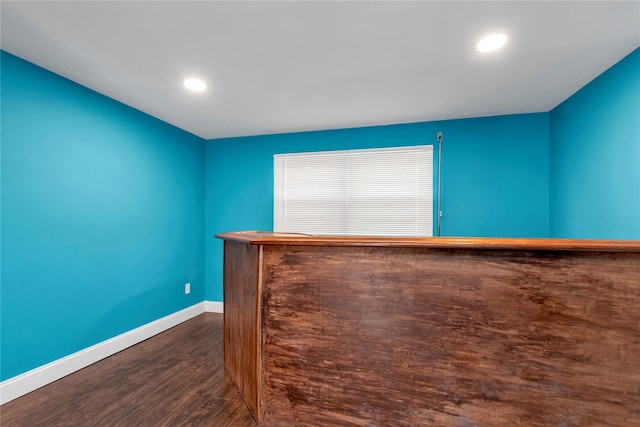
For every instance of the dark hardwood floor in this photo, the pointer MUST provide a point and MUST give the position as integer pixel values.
(176, 378)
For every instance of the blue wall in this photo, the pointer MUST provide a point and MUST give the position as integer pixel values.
(102, 206)
(595, 157)
(102, 217)
(495, 173)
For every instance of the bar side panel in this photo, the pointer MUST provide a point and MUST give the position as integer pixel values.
(241, 264)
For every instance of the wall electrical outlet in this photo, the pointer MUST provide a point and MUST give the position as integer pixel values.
(187, 288)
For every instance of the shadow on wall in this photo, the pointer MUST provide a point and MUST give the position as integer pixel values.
(144, 305)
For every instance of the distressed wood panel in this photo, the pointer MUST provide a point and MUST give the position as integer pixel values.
(241, 328)
(408, 336)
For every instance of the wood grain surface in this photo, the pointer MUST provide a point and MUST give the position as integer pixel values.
(175, 378)
(297, 239)
(366, 336)
(241, 328)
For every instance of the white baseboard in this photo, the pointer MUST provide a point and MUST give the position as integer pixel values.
(214, 307)
(22, 384)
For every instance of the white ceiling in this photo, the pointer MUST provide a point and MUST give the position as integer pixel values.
(275, 67)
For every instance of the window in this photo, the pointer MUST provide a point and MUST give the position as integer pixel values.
(385, 192)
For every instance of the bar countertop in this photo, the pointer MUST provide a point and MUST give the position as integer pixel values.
(499, 243)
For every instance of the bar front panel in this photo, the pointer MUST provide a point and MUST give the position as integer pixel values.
(413, 336)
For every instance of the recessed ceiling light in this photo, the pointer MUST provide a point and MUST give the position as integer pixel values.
(195, 85)
(491, 43)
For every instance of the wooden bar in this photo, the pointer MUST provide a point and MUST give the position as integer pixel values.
(435, 331)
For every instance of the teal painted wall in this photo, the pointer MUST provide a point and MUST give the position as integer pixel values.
(102, 206)
(595, 157)
(495, 177)
(102, 217)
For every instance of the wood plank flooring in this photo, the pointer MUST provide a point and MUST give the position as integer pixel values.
(176, 378)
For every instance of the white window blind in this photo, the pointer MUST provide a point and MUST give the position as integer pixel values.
(385, 192)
